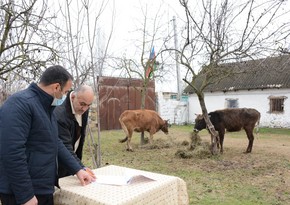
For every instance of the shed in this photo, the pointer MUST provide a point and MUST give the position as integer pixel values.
(119, 94)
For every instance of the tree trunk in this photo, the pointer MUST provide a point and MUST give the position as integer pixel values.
(210, 127)
(142, 142)
(143, 100)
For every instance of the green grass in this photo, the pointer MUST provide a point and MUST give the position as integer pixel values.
(234, 178)
(276, 131)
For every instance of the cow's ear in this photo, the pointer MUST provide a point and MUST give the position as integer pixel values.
(167, 122)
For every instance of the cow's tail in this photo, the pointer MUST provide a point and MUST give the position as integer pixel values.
(123, 140)
(258, 126)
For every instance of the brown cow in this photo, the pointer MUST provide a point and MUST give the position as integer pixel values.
(141, 121)
(232, 120)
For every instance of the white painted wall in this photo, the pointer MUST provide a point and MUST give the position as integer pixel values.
(173, 110)
(251, 99)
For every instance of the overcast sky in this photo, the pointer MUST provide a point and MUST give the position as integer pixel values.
(129, 18)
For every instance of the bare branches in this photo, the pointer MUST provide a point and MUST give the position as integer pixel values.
(84, 49)
(219, 32)
(24, 45)
(224, 32)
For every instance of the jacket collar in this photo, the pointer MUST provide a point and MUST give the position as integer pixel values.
(68, 105)
(45, 98)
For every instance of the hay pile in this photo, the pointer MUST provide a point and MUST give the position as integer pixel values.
(197, 148)
(157, 144)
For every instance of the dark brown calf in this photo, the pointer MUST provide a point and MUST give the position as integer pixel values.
(232, 120)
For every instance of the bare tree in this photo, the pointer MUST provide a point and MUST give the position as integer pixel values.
(96, 66)
(150, 65)
(223, 31)
(85, 51)
(26, 39)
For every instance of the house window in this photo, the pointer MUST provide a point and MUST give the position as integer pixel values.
(232, 103)
(173, 96)
(277, 104)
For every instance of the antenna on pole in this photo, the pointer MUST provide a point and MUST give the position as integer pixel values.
(176, 60)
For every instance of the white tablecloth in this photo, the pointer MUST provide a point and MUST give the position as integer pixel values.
(163, 189)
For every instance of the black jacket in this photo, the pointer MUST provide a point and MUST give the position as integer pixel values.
(29, 145)
(67, 130)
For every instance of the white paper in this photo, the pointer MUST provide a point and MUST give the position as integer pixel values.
(126, 179)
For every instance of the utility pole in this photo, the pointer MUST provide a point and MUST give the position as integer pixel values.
(176, 60)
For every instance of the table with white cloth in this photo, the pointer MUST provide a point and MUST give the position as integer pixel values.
(161, 189)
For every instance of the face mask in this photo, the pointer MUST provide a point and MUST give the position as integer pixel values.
(57, 102)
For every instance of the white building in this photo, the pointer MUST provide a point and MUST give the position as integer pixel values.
(264, 85)
(169, 108)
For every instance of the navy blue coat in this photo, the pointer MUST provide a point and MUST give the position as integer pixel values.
(29, 145)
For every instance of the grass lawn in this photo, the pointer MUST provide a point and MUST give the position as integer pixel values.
(233, 178)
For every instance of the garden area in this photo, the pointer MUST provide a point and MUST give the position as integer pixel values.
(261, 177)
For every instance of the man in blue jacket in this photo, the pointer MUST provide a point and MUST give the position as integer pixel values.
(29, 143)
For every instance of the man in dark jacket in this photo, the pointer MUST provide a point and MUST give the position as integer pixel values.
(72, 119)
(29, 143)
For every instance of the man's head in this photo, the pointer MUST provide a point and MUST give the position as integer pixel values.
(82, 98)
(56, 81)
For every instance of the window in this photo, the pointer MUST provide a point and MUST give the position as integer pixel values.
(173, 96)
(277, 104)
(232, 103)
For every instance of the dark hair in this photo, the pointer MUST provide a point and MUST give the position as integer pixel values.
(55, 74)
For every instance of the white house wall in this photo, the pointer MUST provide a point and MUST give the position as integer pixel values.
(250, 99)
(173, 110)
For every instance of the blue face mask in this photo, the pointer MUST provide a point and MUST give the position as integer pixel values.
(57, 102)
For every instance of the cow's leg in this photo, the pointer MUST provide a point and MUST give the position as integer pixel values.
(129, 148)
(152, 132)
(221, 140)
(151, 138)
(250, 135)
(124, 127)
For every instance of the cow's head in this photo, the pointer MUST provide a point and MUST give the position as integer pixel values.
(164, 128)
(199, 123)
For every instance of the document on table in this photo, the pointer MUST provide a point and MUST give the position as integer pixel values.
(121, 180)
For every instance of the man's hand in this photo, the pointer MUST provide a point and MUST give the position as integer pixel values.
(85, 177)
(32, 201)
(89, 171)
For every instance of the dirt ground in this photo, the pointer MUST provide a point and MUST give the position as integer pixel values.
(261, 177)
(267, 167)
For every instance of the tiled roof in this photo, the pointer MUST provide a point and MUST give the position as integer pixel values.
(272, 72)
